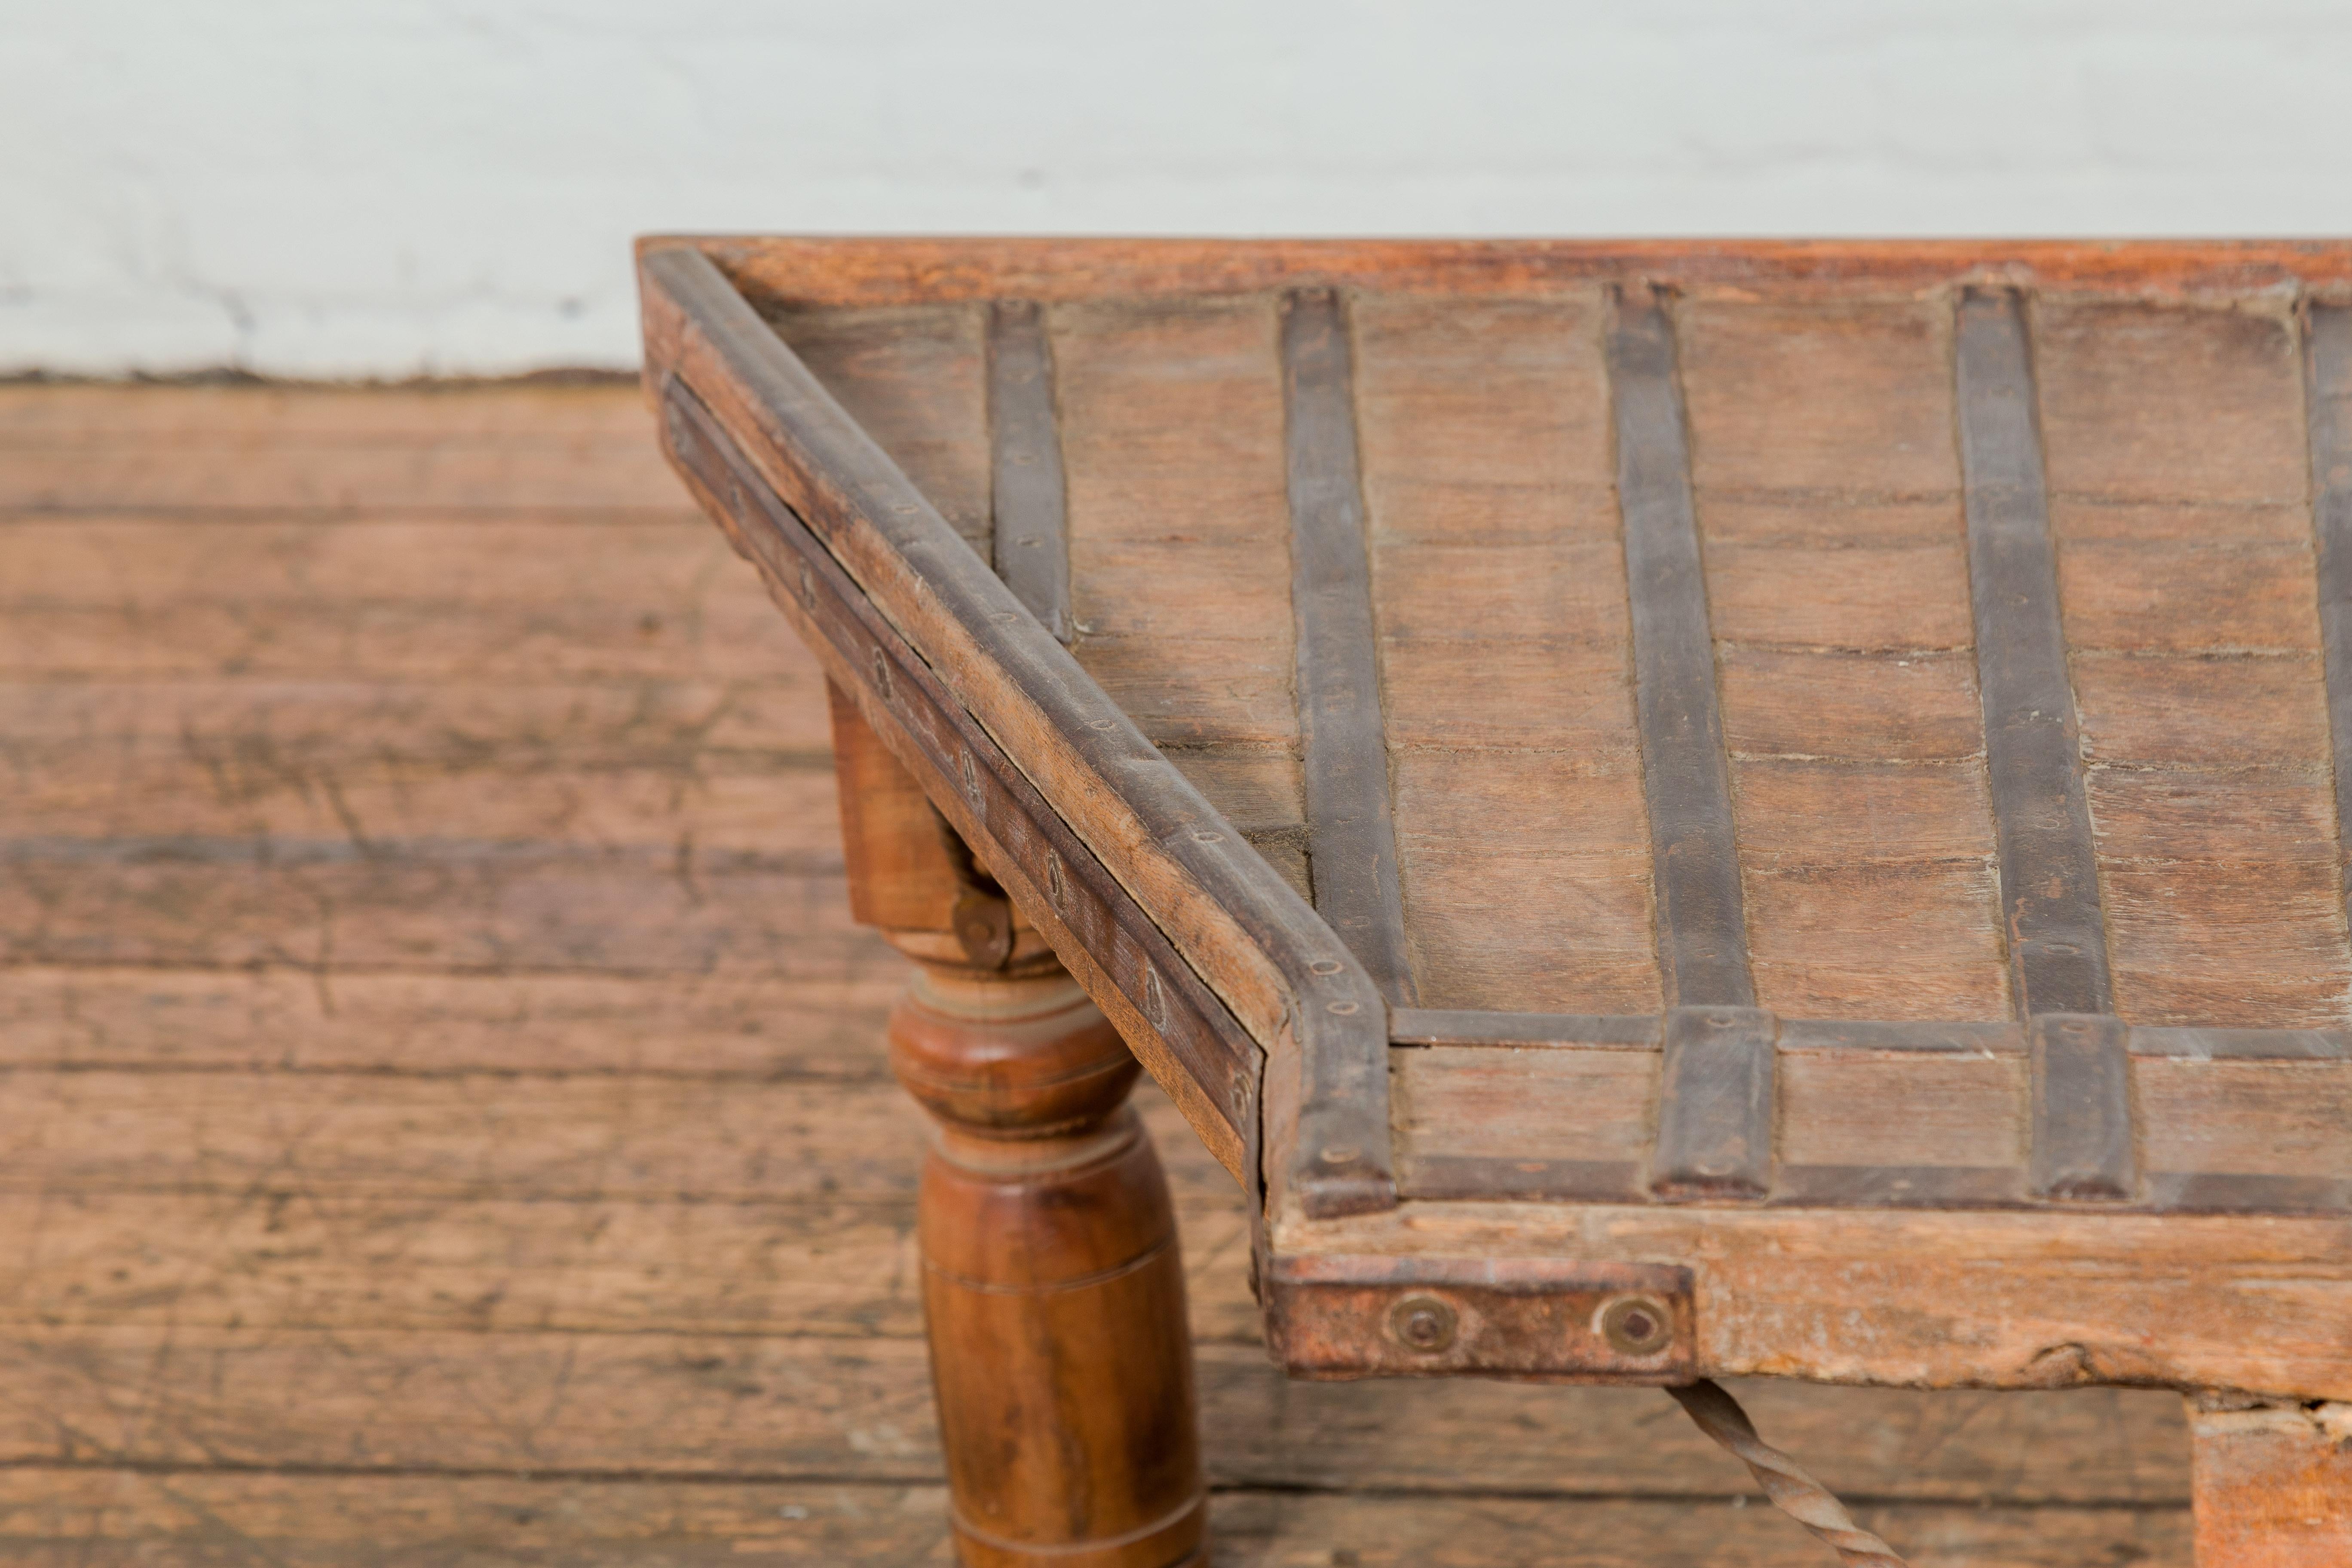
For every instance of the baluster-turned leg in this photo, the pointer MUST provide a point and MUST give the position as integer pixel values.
(1052, 1289)
(2273, 1483)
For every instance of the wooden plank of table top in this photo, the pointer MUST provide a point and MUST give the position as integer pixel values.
(1524, 847)
(916, 379)
(1827, 487)
(1350, 834)
(2191, 607)
(96, 1517)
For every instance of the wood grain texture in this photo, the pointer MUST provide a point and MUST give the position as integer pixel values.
(2048, 875)
(1293, 987)
(1935, 1298)
(1521, 823)
(1702, 919)
(1350, 834)
(1052, 1284)
(894, 270)
(2273, 1484)
(97, 1519)
(916, 380)
(1174, 1023)
(1827, 489)
(2174, 434)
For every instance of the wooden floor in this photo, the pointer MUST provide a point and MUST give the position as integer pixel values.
(443, 1122)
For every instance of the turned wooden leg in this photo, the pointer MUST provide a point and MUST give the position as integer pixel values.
(1052, 1289)
(2272, 1484)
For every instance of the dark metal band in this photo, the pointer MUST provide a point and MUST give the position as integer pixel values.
(1032, 546)
(2327, 373)
(2049, 865)
(1350, 834)
(1715, 1105)
(2081, 1108)
(1702, 918)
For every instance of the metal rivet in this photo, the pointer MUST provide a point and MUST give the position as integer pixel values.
(1341, 1154)
(1423, 1323)
(1325, 966)
(1636, 1325)
(1241, 1085)
(1340, 1008)
(1208, 838)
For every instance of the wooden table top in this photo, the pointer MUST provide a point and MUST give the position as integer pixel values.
(1665, 757)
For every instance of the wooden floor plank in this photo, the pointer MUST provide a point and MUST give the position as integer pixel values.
(442, 1111)
(101, 1519)
(542, 1522)
(711, 1405)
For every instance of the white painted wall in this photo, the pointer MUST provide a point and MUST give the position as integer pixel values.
(390, 187)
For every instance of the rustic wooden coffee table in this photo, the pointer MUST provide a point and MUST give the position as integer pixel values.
(1668, 810)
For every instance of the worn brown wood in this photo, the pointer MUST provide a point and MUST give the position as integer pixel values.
(1173, 1022)
(873, 270)
(905, 872)
(1484, 447)
(1053, 1287)
(2273, 1483)
(1274, 962)
(96, 1519)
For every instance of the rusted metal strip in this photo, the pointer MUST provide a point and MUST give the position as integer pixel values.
(2328, 383)
(2082, 1107)
(1112, 945)
(1702, 920)
(1032, 546)
(1370, 1315)
(1715, 1105)
(2049, 866)
(1792, 1489)
(1351, 836)
(1487, 1178)
(2244, 1044)
(1446, 1027)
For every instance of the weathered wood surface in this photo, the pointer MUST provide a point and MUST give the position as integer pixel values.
(859, 270)
(2273, 1483)
(351, 1256)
